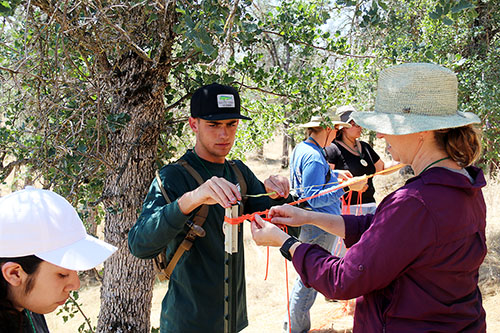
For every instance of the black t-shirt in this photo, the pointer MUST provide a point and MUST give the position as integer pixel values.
(21, 318)
(343, 159)
(38, 321)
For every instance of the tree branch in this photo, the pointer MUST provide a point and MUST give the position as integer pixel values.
(341, 56)
(12, 71)
(128, 40)
(264, 91)
(5, 171)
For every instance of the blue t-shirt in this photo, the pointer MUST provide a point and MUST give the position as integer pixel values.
(308, 174)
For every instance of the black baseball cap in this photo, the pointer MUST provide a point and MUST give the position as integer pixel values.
(216, 102)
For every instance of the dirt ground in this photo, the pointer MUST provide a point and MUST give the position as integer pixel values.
(267, 299)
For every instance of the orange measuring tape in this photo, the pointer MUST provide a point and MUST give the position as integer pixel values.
(264, 214)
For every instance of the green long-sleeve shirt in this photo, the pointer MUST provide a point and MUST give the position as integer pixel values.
(194, 300)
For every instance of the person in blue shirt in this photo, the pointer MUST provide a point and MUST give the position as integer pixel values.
(311, 174)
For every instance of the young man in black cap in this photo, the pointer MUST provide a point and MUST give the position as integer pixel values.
(195, 297)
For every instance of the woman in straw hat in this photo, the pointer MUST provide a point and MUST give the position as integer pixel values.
(414, 264)
(43, 244)
(310, 174)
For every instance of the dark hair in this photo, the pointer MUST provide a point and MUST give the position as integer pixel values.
(10, 318)
(462, 144)
(312, 130)
(339, 134)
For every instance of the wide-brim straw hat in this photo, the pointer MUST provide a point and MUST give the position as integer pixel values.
(330, 120)
(413, 98)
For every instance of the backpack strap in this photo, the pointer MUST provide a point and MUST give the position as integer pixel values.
(239, 177)
(160, 262)
(160, 185)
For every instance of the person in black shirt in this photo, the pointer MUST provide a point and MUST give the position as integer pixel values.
(347, 152)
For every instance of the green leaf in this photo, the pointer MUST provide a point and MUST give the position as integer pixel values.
(189, 21)
(462, 5)
(434, 15)
(446, 9)
(153, 17)
(207, 49)
(447, 21)
(439, 11)
(429, 54)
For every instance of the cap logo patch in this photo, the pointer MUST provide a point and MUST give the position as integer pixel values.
(225, 101)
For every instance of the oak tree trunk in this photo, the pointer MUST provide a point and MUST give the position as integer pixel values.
(284, 151)
(126, 290)
(127, 286)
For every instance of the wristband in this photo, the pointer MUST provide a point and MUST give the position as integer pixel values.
(285, 248)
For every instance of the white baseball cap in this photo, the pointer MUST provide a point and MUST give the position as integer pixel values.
(42, 223)
(318, 121)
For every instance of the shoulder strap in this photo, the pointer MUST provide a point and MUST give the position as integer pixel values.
(239, 177)
(191, 171)
(160, 262)
(160, 185)
(243, 185)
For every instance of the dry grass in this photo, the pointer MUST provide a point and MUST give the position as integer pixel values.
(489, 273)
(267, 299)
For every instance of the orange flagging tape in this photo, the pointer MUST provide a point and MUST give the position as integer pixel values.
(264, 214)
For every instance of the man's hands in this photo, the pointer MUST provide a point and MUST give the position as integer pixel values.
(278, 184)
(220, 191)
(216, 190)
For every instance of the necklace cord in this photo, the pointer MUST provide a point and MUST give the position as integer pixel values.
(433, 163)
(352, 150)
(31, 320)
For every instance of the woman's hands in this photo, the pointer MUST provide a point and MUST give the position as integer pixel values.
(290, 215)
(267, 234)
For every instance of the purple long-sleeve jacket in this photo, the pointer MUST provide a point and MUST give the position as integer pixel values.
(413, 266)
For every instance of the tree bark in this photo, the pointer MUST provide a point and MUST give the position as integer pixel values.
(127, 286)
(284, 152)
(126, 291)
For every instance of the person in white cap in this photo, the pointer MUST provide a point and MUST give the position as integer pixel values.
(43, 244)
(310, 174)
(414, 265)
